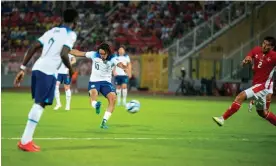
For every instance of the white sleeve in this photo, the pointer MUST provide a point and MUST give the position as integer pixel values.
(128, 59)
(44, 38)
(114, 61)
(71, 39)
(91, 54)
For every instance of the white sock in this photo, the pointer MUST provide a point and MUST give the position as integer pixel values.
(118, 91)
(107, 115)
(34, 116)
(68, 97)
(93, 103)
(124, 95)
(57, 95)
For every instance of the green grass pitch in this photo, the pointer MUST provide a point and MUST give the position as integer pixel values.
(166, 131)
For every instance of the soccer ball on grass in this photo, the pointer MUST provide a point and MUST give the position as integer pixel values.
(133, 106)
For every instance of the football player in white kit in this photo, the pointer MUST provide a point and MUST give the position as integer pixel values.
(103, 62)
(121, 77)
(56, 43)
(64, 78)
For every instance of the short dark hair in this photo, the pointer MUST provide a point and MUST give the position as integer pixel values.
(69, 15)
(106, 47)
(271, 40)
(122, 46)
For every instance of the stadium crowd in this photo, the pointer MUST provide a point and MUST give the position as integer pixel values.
(138, 25)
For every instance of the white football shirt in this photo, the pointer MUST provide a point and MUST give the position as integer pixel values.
(63, 69)
(53, 42)
(125, 60)
(101, 70)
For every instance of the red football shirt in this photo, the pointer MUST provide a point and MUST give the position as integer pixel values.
(264, 66)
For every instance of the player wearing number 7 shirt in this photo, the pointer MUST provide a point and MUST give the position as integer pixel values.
(103, 62)
(264, 65)
(56, 44)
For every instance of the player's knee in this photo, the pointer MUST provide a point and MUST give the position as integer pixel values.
(112, 98)
(66, 87)
(262, 113)
(241, 97)
(124, 86)
(268, 97)
(41, 104)
(93, 93)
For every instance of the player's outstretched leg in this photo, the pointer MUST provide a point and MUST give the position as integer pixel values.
(118, 91)
(68, 96)
(57, 96)
(111, 97)
(268, 100)
(269, 116)
(93, 100)
(26, 143)
(232, 109)
(124, 87)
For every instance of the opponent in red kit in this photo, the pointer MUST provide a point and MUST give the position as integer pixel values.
(264, 65)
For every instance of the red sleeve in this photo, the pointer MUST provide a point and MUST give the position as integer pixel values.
(252, 52)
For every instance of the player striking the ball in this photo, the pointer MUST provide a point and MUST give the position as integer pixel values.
(265, 63)
(56, 44)
(103, 62)
(121, 77)
(64, 78)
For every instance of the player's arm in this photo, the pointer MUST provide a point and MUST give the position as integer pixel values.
(31, 51)
(129, 71)
(73, 60)
(65, 59)
(124, 67)
(114, 71)
(67, 47)
(77, 53)
(249, 57)
(121, 65)
(37, 45)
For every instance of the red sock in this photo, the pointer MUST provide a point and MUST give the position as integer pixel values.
(267, 105)
(231, 110)
(271, 118)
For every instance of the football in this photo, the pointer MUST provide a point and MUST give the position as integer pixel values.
(133, 106)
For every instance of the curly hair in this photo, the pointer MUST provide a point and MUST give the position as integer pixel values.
(106, 47)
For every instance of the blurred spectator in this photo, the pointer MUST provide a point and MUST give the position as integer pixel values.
(135, 24)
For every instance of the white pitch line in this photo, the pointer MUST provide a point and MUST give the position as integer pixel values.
(92, 138)
(122, 138)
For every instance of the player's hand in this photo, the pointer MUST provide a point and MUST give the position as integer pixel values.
(19, 78)
(247, 60)
(126, 70)
(71, 72)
